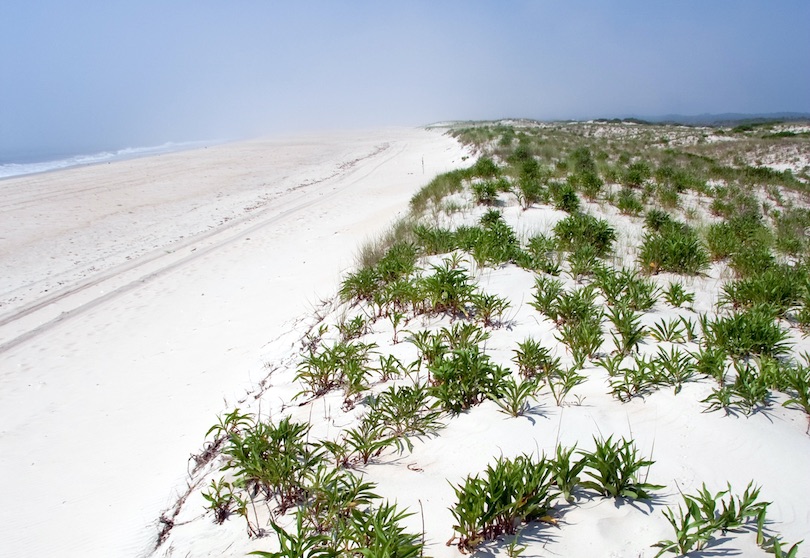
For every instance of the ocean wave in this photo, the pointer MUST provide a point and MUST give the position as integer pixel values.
(9, 170)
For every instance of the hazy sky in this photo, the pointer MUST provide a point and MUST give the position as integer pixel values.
(82, 75)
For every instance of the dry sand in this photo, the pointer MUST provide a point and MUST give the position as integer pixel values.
(137, 298)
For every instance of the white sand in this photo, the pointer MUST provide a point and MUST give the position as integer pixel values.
(136, 296)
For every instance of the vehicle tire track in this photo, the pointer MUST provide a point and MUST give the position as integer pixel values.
(317, 197)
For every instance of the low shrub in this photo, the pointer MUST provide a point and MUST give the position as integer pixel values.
(676, 248)
(485, 193)
(579, 229)
(564, 196)
(752, 332)
(628, 203)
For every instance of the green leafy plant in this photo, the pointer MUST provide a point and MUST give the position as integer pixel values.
(753, 332)
(448, 289)
(532, 359)
(583, 338)
(711, 362)
(611, 282)
(541, 255)
(676, 248)
(300, 544)
(509, 493)
(774, 546)
(464, 377)
(344, 364)
(640, 293)
(562, 381)
(577, 306)
(672, 331)
(566, 471)
(749, 392)
(615, 470)
(581, 229)
(582, 262)
(778, 287)
(514, 396)
(674, 367)
(564, 196)
(273, 459)
(628, 203)
(223, 500)
(634, 380)
(676, 295)
(489, 308)
(628, 329)
(547, 292)
(691, 530)
(706, 513)
(404, 412)
(366, 440)
(797, 381)
(485, 193)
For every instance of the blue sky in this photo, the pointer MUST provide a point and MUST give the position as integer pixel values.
(79, 76)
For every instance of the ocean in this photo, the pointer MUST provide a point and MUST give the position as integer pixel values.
(32, 164)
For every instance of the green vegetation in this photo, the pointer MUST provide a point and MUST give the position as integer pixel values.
(437, 280)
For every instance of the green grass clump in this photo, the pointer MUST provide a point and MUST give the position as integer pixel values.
(615, 470)
(580, 229)
(464, 378)
(438, 189)
(705, 514)
(564, 196)
(509, 493)
(532, 359)
(674, 247)
(344, 517)
(751, 332)
(780, 287)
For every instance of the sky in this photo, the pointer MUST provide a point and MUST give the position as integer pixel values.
(78, 76)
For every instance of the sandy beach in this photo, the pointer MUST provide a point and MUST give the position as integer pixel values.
(138, 300)
(144, 299)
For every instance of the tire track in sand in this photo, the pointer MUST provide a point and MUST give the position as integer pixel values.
(165, 263)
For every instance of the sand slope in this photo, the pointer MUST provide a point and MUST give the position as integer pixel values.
(689, 445)
(136, 296)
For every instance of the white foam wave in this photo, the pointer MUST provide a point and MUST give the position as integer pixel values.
(9, 170)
